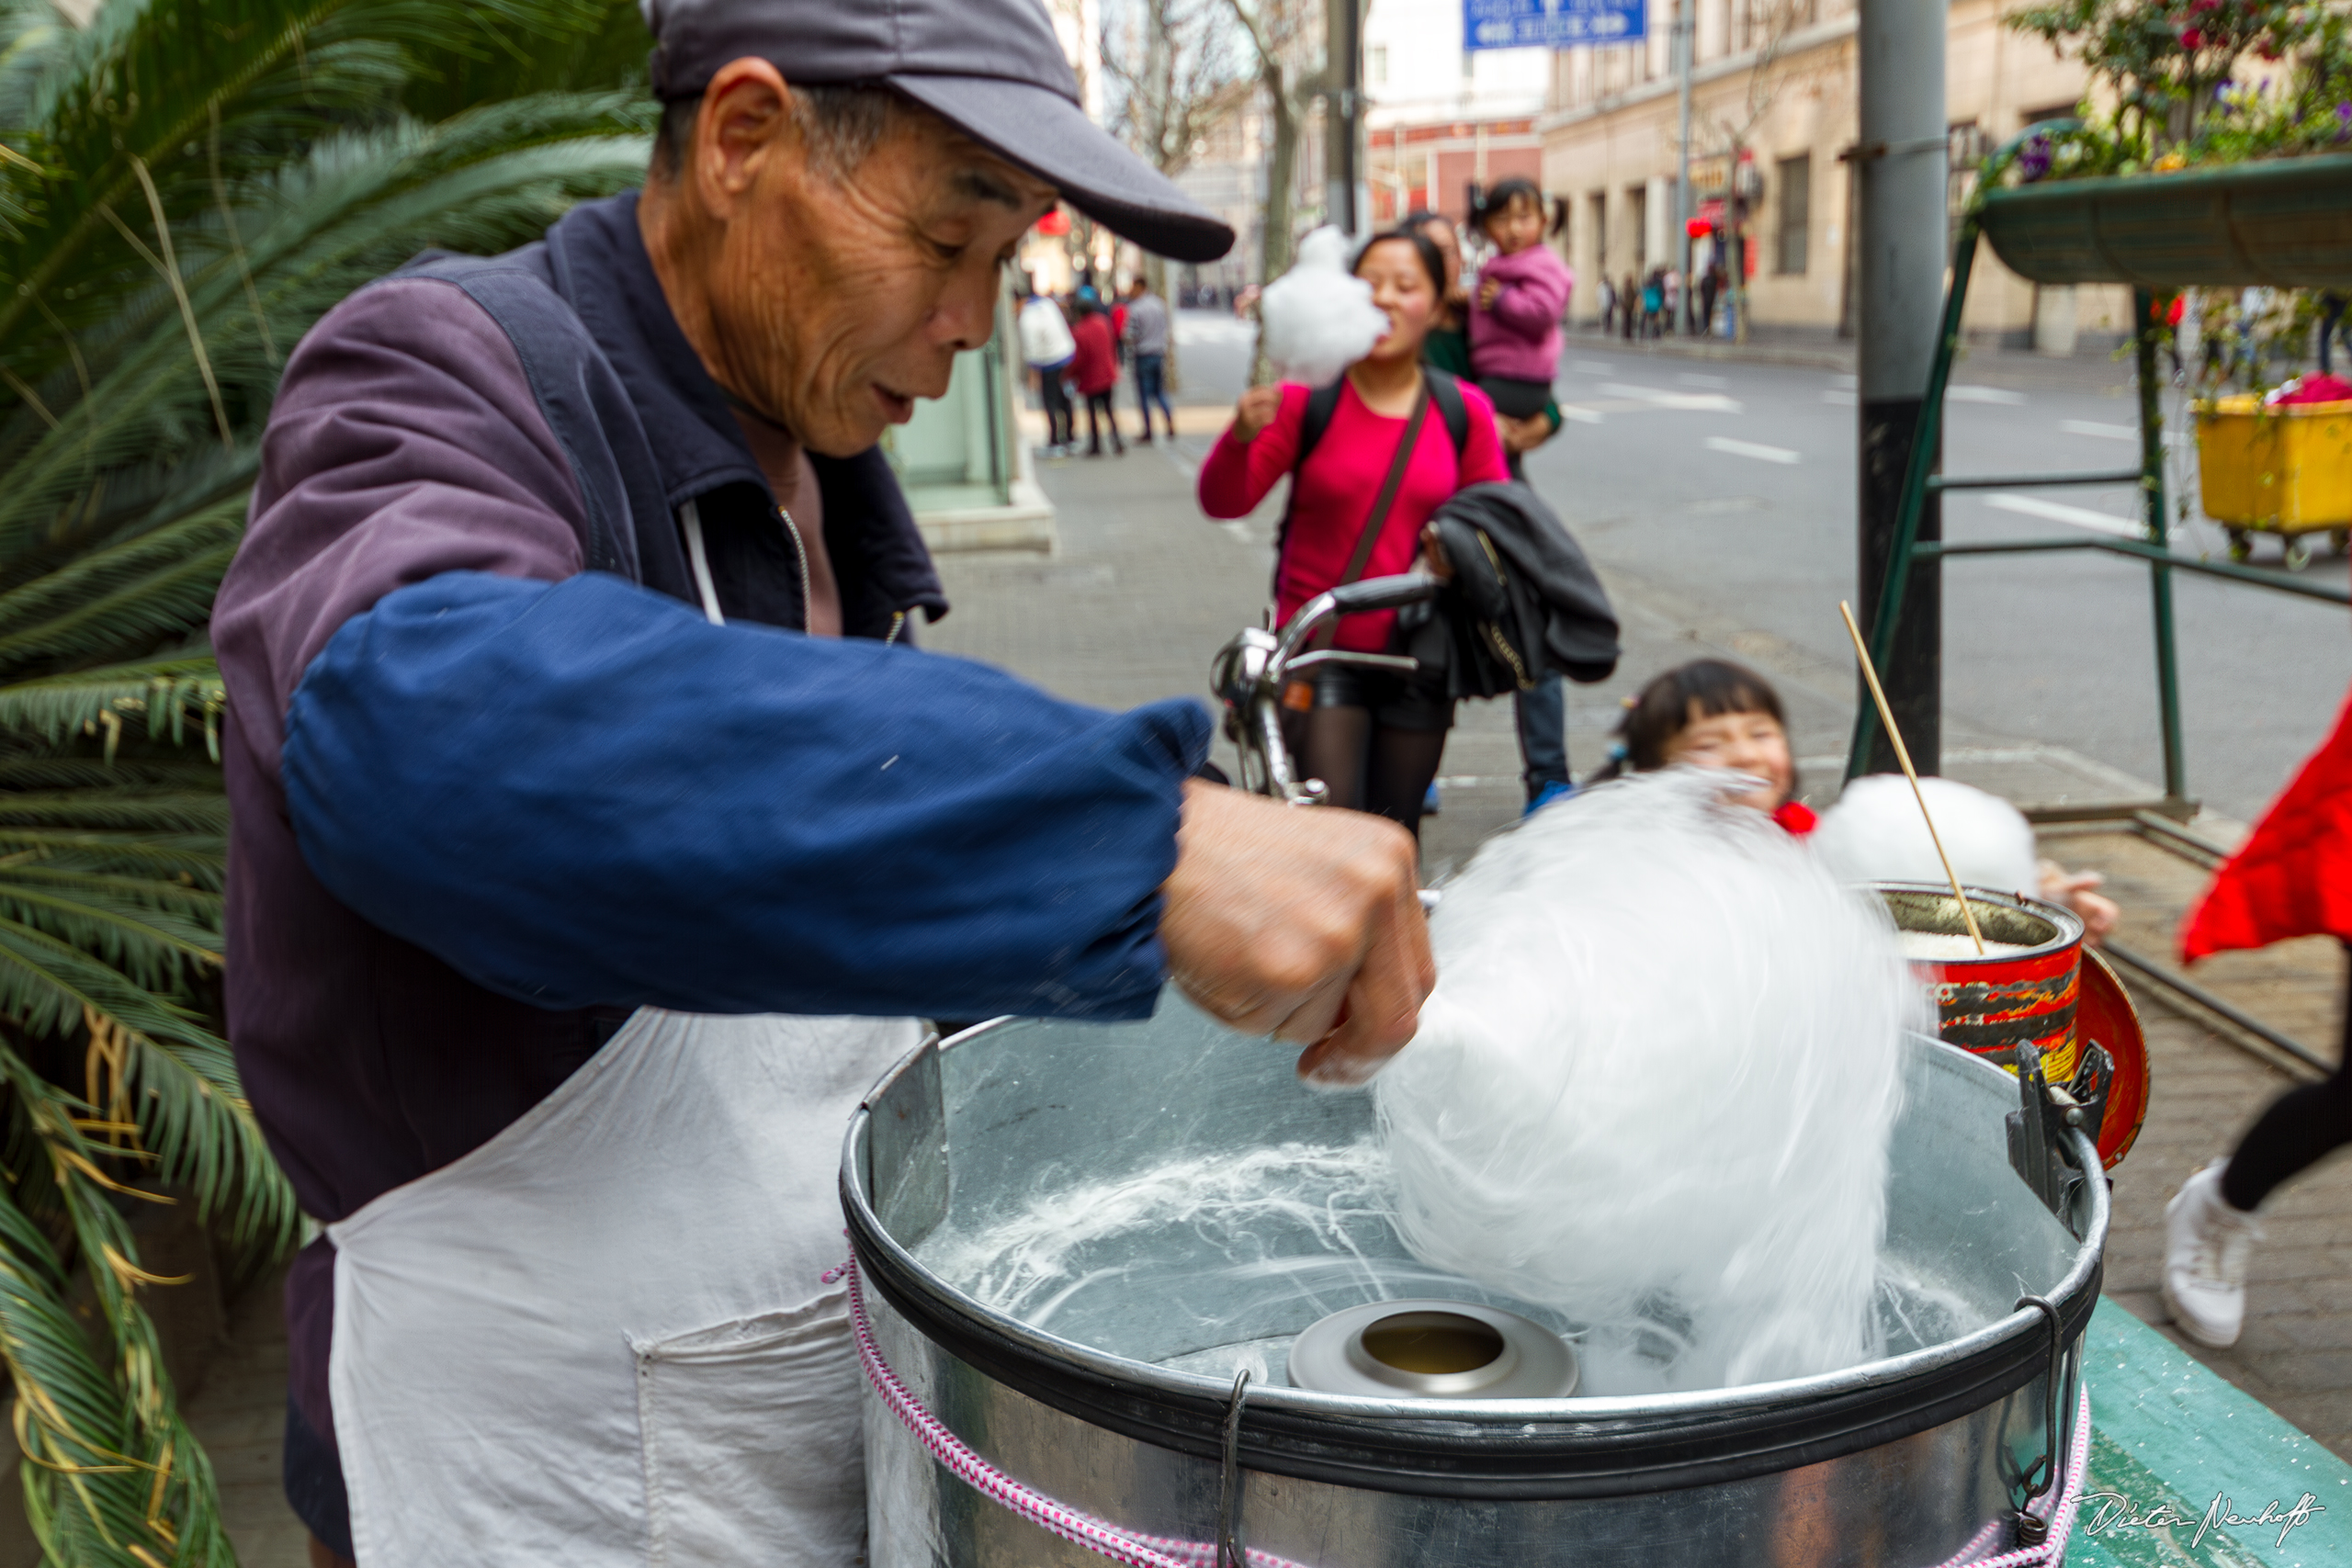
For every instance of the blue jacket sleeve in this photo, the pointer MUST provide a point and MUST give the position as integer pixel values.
(581, 792)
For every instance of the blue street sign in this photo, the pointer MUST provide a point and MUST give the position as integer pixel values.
(1550, 24)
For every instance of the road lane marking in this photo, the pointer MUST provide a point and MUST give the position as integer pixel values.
(1690, 402)
(1692, 378)
(1751, 449)
(2059, 512)
(1578, 415)
(2092, 427)
(1985, 395)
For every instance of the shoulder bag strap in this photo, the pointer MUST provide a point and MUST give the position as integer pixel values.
(1370, 535)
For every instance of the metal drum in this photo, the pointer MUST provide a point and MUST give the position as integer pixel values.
(1902, 1461)
(1992, 1005)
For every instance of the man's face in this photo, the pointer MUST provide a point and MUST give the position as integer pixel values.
(837, 300)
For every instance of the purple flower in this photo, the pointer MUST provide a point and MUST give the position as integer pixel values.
(2343, 120)
(2033, 159)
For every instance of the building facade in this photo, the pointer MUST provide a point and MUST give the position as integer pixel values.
(1774, 110)
(1439, 119)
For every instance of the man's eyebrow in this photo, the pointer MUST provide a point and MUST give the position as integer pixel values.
(983, 184)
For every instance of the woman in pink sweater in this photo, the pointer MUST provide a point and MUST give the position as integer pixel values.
(1522, 293)
(1373, 738)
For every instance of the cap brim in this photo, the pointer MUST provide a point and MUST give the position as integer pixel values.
(1051, 136)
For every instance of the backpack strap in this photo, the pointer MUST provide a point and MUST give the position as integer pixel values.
(1452, 407)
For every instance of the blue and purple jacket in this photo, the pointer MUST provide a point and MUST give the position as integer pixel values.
(495, 781)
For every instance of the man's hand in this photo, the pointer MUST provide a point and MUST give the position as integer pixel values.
(1303, 923)
(1255, 412)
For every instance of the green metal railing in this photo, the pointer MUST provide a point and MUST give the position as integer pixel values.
(1911, 554)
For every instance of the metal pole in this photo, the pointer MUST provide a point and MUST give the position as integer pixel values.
(1343, 109)
(1900, 158)
(1685, 47)
(2152, 487)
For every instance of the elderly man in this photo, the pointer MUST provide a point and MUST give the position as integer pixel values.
(598, 833)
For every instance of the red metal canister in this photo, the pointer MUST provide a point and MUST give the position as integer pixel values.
(1991, 1005)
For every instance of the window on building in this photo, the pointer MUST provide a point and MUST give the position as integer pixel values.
(1599, 203)
(1965, 143)
(1380, 65)
(1637, 204)
(1795, 194)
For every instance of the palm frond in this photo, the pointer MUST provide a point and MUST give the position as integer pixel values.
(169, 697)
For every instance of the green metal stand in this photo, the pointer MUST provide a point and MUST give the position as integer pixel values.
(2152, 546)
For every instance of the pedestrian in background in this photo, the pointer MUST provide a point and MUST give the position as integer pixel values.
(1524, 292)
(1653, 301)
(1047, 348)
(1673, 300)
(1390, 455)
(1094, 370)
(1711, 283)
(1608, 298)
(1146, 335)
(1628, 303)
(1540, 714)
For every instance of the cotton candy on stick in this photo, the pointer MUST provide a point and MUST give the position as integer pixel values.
(1319, 318)
(1655, 1087)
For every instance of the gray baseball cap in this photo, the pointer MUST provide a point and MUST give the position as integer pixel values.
(994, 68)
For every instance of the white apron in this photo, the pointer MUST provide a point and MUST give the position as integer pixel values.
(601, 1339)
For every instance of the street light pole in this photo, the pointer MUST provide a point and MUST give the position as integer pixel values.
(1900, 159)
(1343, 108)
(1684, 48)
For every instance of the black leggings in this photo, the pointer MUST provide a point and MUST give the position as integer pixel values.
(1061, 429)
(1367, 766)
(1098, 407)
(2302, 1127)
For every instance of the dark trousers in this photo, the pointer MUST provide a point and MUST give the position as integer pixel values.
(1098, 407)
(1151, 388)
(1061, 426)
(1543, 715)
(2301, 1127)
(2332, 324)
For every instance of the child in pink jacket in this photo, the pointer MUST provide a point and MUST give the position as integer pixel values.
(1523, 294)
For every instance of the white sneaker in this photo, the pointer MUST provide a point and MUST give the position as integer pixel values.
(2206, 1247)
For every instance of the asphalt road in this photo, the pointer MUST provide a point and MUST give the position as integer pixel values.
(1728, 487)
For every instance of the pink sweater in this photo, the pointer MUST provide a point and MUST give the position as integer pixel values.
(1520, 337)
(1336, 487)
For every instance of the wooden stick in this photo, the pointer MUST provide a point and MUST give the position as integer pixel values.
(1903, 755)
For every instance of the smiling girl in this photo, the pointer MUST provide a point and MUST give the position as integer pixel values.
(1373, 738)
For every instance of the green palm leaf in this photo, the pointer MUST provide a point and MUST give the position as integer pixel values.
(187, 187)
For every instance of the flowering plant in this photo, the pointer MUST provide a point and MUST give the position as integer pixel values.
(2199, 82)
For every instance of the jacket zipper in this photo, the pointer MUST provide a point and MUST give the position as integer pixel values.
(801, 552)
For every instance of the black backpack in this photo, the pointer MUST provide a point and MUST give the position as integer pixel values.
(1445, 396)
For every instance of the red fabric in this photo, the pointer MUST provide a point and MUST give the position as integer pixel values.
(1336, 486)
(2293, 876)
(1095, 369)
(2314, 390)
(1118, 321)
(1797, 818)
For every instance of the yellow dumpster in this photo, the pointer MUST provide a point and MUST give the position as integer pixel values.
(2284, 470)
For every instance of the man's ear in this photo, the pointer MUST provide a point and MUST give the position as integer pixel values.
(745, 121)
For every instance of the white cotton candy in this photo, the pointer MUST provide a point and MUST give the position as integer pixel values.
(1654, 1087)
(1319, 318)
(1875, 833)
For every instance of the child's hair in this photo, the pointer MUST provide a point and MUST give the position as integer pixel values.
(1704, 687)
(1498, 198)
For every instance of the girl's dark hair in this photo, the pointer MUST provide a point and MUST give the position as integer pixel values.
(1702, 689)
(1432, 259)
(1497, 199)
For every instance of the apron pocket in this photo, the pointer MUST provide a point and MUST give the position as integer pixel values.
(754, 1447)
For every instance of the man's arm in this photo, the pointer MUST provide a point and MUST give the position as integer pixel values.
(583, 793)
